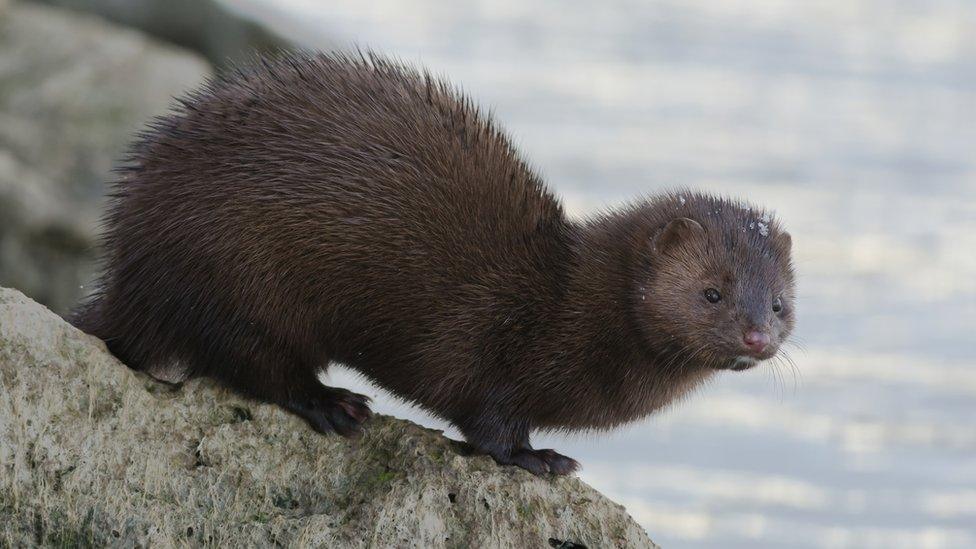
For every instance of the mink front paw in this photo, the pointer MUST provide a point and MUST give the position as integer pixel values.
(540, 462)
(335, 410)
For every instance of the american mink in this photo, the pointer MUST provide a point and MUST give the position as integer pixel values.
(315, 208)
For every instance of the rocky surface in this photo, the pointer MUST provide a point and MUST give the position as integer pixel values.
(92, 453)
(73, 91)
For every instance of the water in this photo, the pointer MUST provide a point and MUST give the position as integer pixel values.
(856, 121)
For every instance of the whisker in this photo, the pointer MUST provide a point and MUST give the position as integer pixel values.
(797, 372)
(796, 342)
(778, 376)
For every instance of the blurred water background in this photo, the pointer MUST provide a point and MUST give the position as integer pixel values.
(856, 121)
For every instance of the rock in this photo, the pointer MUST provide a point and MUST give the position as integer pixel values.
(204, 26)
(73, 91)
(92, 453)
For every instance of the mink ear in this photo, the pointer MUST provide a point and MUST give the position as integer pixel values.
(679, 231)
(784, 242)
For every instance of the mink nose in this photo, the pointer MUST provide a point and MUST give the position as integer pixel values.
(755, 340)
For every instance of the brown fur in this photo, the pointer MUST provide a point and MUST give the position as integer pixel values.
(320, 208)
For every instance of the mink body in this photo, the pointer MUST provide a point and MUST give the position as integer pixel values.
(317, 208)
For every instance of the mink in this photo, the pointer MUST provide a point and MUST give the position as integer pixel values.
(313, 208)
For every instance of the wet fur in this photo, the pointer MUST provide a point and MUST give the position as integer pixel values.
(318, 208)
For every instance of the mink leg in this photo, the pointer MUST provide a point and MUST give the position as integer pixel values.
(326, 409)
(508, 444)
(331, 409)
(556, 463)
(271, 373)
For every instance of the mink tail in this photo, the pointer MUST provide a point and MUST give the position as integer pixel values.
(90, 317)
(85, 316)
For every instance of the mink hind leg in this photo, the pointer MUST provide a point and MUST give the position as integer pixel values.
(149, 334)
(254, 363)
(507, 442)
(271, 372)
(328, 409)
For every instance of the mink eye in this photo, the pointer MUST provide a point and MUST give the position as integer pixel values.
(777, 304)
(712, 295)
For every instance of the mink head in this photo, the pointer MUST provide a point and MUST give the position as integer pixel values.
(719, 288)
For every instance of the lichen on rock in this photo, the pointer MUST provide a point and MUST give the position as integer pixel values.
(92, 453)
